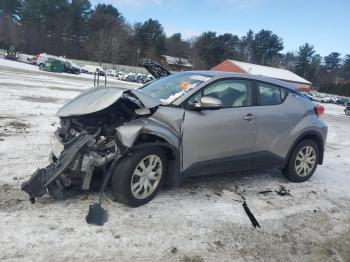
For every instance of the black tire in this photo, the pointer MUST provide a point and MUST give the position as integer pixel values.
(290, 170)
(122, 175)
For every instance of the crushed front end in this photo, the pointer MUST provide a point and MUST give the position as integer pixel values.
(85, 145)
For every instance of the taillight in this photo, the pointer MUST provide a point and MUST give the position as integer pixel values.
(319, 110)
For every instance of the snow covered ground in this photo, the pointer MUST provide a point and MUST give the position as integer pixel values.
(203, 220)
(20, 67)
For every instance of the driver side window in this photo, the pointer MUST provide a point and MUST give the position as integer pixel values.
(232, 93)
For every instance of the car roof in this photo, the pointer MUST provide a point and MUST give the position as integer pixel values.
(221, 74)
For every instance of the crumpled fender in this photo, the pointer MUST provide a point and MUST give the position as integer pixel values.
(129, 132)
(166, 122)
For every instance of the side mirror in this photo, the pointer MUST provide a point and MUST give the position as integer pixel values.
(208, 103)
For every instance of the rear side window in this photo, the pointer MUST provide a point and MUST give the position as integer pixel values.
(271, 94)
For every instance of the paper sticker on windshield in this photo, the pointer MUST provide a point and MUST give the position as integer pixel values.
(200, 78)
(185, 85)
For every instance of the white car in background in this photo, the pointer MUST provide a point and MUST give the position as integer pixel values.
(112, 72)
(43, 58)
(326, 99)
(121, 75)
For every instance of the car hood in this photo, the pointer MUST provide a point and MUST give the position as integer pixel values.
(154, 68)
(97, 99)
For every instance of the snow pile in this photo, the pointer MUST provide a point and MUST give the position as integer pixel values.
(173, 97)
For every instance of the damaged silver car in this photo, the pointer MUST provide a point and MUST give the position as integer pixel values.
(184, 124)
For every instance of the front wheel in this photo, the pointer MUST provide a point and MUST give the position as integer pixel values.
(138, 178)
(303, 161)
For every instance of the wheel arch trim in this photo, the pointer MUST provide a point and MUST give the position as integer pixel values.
(311, 135)
(172, 177)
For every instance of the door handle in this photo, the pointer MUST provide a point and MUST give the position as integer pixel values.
(249, 117)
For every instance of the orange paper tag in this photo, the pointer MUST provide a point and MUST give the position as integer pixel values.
(185, 85)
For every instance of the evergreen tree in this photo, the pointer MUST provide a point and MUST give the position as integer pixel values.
(305, 55)
(265, 47)
(346, 68)
(176, 46)
(332, 61)
(10, 8)
(150, 38)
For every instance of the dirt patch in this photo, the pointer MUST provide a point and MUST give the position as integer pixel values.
(18, 125)
(9, 128)
(334, 248)
(40, 99)
(195, 258)
(11, 198)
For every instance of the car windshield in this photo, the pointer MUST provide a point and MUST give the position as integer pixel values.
(170, 88)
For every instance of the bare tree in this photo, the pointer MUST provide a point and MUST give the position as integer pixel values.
(119, 38)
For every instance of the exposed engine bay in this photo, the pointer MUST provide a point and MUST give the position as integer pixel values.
(84, 145)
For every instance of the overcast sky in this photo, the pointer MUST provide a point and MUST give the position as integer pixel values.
(323, 23)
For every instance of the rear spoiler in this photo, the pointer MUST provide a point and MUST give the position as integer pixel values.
(154, 68)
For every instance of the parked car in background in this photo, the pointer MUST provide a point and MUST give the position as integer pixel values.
(347, 108)
(31, 60)
(316, 97)
(342, 101)
(25, 58)
(43, 58)
(333, 99)
(71, 68)
(184, 124)
(100, 72)
(121, 75)
(112, 72)
(131, 77)
(326, 99)
(149, 78)
(144, 78)
(307, 95)
(11, 53)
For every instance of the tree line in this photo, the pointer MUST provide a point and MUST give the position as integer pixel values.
(75, 29)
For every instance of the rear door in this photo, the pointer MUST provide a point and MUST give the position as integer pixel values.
(221, 140)
(276, 118)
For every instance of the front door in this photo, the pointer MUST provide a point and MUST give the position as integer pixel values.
(221, 140)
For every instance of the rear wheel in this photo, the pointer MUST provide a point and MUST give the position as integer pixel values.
(303, 161)
(138, 178)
